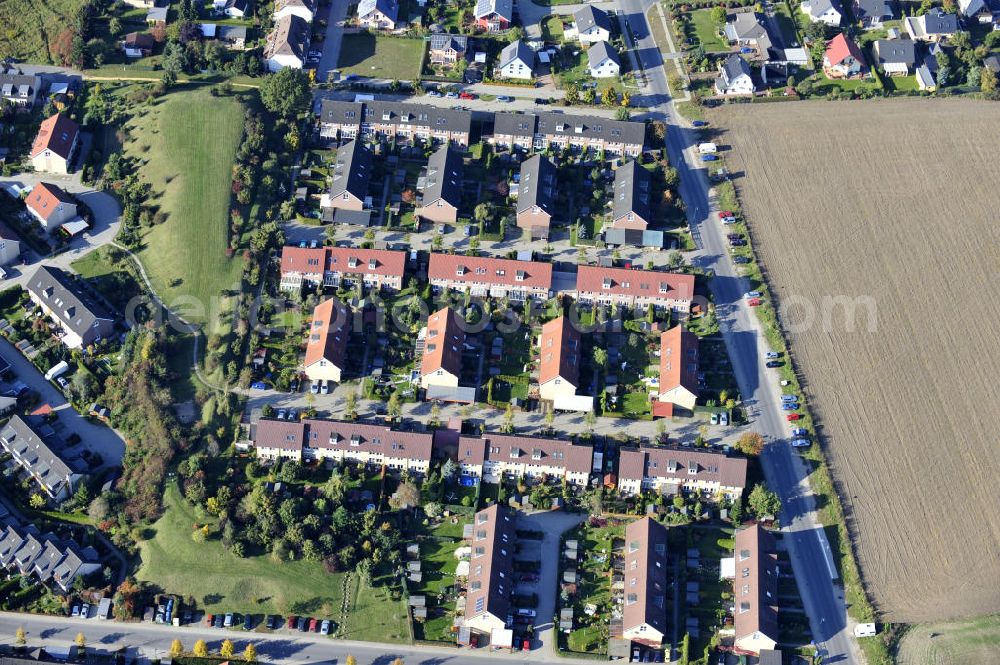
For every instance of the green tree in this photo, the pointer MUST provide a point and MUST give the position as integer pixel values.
(508, 420)
(37, 501)
(600, 357)
(988, 82)
(394, 407)
(762, 501)
(589, 96)
(286, 92)
(609, 97)
(572, 94)
(435, 420)
(351, 404)
(622, 114)
(718, 15)
(80, 641)
(750, 443)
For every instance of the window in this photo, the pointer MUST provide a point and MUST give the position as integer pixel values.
(631, 599)
(633, 546)
(744, 555)
(634, 565)
(480, 604)
(744, 607)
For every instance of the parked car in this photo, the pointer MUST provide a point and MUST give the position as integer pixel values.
(800, 443)
(792, 417)
(786, 382)
(728, 220)
(773, 363)
(699, 123)
(724, 419)
(752, 294)
(541, 100)
(293, 387)
(466, 95)
(737, 242)
(209, 619)
(248, 622)
(303, 624)
(526, 645)
(291, 621)
(505, 99)
(324, 628)
(526, 612)
(713, 419)
(787, 397)
(228, 621)
(772, 354)
(313, 625)
(452, 95)
(741, 259)
(258, 385)
(85, 611)
(708, 158)
(281, 414)
(219, 620)
(324, 387)
(314, 388)
(293, 414)
(790, 406)
(754, 302)
(76, 610)
(800, 431)
(433, 93)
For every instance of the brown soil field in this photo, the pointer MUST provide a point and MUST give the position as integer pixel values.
(891, 203)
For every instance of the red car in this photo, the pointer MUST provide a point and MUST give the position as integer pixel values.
(209, 619)
(754, 302)
(291, 621)
(527, 645)
(725, 213)
(793, 416)
(466, 95)
(313, 625)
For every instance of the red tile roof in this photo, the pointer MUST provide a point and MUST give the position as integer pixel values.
(755, 587)
(840, 47)
(443, 344)
(328, 333)
(645, 576)
(486, 270)
(44, 199)
(280, 434)
(350, 260)
(636, 283)
(678, 360)
(675, 463)
(342, 435)
(554, 453)
(471, 450)
(57, 134)
(560, 352)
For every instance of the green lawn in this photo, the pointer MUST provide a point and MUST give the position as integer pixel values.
(552, 29)
(901, 83)
(707, 31)
(30, 27)
(381, 57)
(218, 580)
(188, 145)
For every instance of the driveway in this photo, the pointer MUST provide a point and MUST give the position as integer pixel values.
(337, 12)
(96, 438)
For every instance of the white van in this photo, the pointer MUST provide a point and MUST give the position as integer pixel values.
(864, 630)
(57, 370)
(707, 148)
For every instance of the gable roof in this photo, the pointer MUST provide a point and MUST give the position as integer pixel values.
(896, 51)
(442, 41)
(352, 170)
(600, 52)
(329, 332)
(342, 435)
(591, 127)
(241, 5)
(491, 568)
(588, 17)
(633, 191)
(74, 307)
(502, 8)
(7, 234)
(556, 454)
(749, 26)
(840, 47)
(560, 352)
(733, 67)
(44, 199)
(283, 4)
(351, 260)
(444, 177)
(140, 40)
(645, 574)
(289, 37)
(538, 184)
(57, 134)
(21, 440)
(443, 343)
(938, 22)
(19, 85)
(389, 8)
(755, 587)
(819, 7)
(678, 360)
(638, 283)
(488, 270)
(517, 50)
(674, 463)
(874, 9)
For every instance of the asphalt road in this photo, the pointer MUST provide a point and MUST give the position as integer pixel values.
(808, 548)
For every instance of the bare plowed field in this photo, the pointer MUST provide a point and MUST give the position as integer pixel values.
(893, 205)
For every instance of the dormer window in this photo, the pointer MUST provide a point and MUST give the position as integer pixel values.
(692, 467)
(606, 283)
(459, 271)
(352, 262)
(744, 555)
(386, 115)
(536, 454)
(520, 275)
(515, 452)
(356, 440)
(371, 264)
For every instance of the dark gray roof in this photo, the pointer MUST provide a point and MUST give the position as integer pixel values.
(504, 8)
(600, 52)
(880, 9)
(290, 36)
(352, 217)
(20, 440)
(633, 191)
(750, 26)
(352, 170)
(75, 308)
(444, 177)
(896, 51)
(930, 59)
(242, 5)
(432, 117)
(517, 50)
(515, 124)
(589, 16)
(538, 185)
(937, 22)
(440, 42)
(647, 238)
(613, 131)
(341, 112)
(992, 62)
(11, 84)
(388, 7)
(231, 32)
(734, 66)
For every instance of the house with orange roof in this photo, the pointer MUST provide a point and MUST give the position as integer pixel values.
(635, 288)
(644, 615)
(443, 338)
(559, 361)
(335, 267)
(55, 144)
(485, 276)
(670, 470)
(678, 367)
(494, 456)
(50, 205)
(491, 570)
(326, 346)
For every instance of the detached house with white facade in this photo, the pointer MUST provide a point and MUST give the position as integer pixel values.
(734, 77)
(603, 61)
(517, 61)
(592, 25)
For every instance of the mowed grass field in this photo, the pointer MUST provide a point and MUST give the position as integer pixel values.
(28, 27)
(188, 143)
(957, 643)
(876, 206)
(365, 54)
(220, 581)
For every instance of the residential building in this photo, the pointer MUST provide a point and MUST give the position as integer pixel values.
(138, 45)
(979, 11)
(823, 11)
(491, 569)
(54, 476)
(871, 13)
(631, 207)
(494, 15)
(442, 186)
(45, 557)
(378, 14)
(50, 205)
(236, 8)
(326, 344)
(233, 36)
(493, 456)
(304, 9)
(485, 276)
(896, 57)
(559, 359)
(516, 132)
(674, 469)
(636, 289)
(444, 338)
(10, 246)
(374, 446)
(592, 25)
(843, 58)
(20, 89)
(517, 61)
(406, 122)
(83, 320)
(644, 615)
(933, 26)
(447, 49)
(734, 77)
(926, 77)
(529, 131)
(603, 61)
(992, 62)
(678, 383)
(536, 196)
(287, 44)
(755, 591)
(55, 144)
(749, 29)
(336, 267)
(351, 175)
(157, 15)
